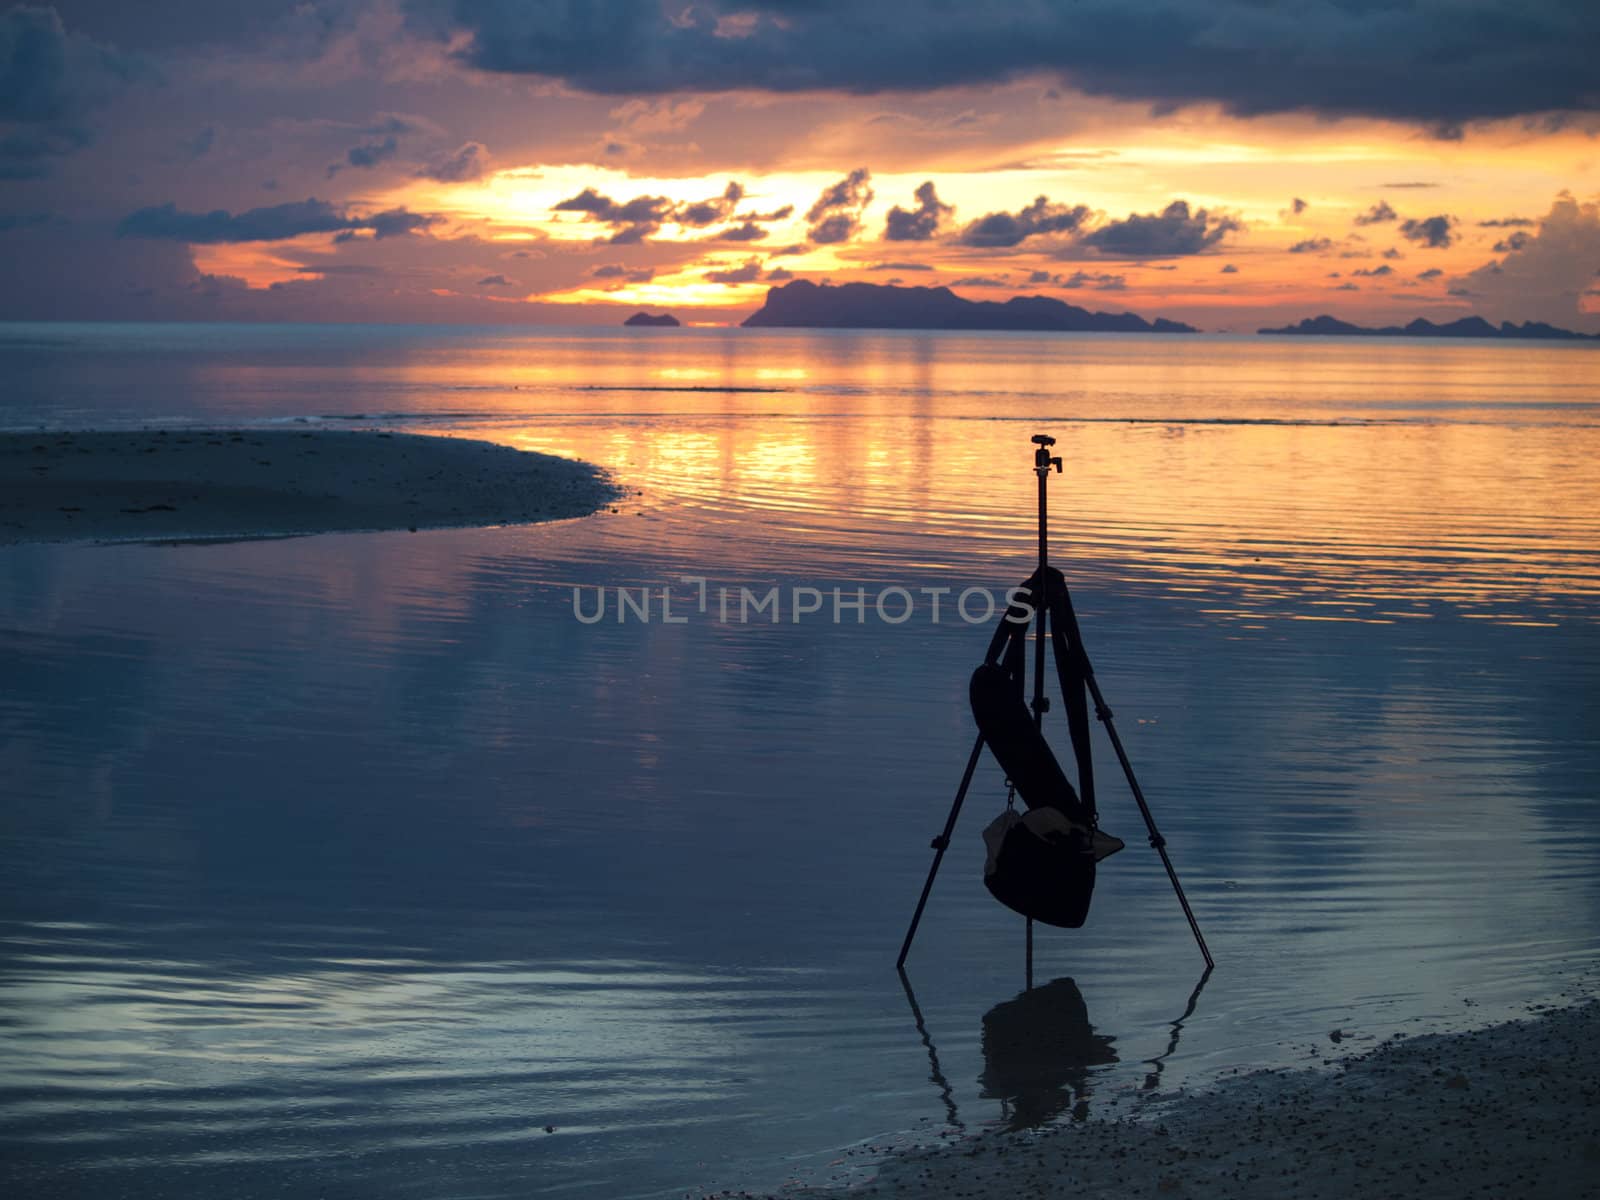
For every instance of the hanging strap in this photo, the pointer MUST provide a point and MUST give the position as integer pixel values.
(1008, 646)
(1072, 667)
(1008, 651)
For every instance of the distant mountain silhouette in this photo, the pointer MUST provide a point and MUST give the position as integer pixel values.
(664, 321)
(1466, 327)
(806, 305)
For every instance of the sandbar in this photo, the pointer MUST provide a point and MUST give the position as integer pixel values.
(184, 484)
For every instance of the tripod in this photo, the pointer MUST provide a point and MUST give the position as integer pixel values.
(1044, 597)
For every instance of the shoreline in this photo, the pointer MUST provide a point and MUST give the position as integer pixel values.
(1502, 1111)
(173, 485)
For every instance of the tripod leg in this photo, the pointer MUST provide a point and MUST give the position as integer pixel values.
(1029, 956)
(1156, 840)
(940, 845)
(1041, 703)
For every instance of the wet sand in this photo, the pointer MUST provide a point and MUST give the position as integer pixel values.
(1509, 1112)
(185, 484)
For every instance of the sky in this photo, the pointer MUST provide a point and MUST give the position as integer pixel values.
(1231, 163)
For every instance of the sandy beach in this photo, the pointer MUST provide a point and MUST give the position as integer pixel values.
(1507, 1111)
(192, 484)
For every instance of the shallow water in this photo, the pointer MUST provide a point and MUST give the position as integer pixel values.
(348, 865)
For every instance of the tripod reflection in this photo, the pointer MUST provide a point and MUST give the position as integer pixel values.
(935, 1073)
(1153, 1079)
(1038, 1052)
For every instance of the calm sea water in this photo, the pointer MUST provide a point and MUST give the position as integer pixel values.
(359, 866)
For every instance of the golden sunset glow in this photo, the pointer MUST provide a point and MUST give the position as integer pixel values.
(501, 181)
(1300, 198)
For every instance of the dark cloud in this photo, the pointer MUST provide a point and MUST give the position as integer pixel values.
(1298, 205)
(779, 275)
(1508, 223)
(709, 212)
(853, 191)
(217, 287)
(1377, 214)
(1174, 231)
(1229, 269)
(778, 214)
(630, 223)
(48, 75)
(589, 201)
(51, 83)
(276, 223)
(624, 273)
(470, 162)
(188, 24)
(1348, 287)
(28, 152)
(749, 225)
(370, 154)
(637, 219)
(1312, 246)
(1080, 279)
(1391, 252)
(395, 125)
(495, 281)
(63, 271)
(1374, 272)
(1411, 183)
(837, 228)
(982, 281)
(749, 272)
(1434, 232)
(1545, 275)
(1001, 229)
(1430, 273)
(836, 215)
(329, 268)
(397, 222)
(1516, 241)
(1437, 64)
(900, 266)
(918, 224)
(1100, 283)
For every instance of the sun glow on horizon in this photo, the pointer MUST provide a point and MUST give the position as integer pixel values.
(1336, 221)
(528, 197)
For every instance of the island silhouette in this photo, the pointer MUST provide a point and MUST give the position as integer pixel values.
(806, 305)
(1466, 327)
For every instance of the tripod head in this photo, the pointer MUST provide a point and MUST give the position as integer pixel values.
(1043, 460)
